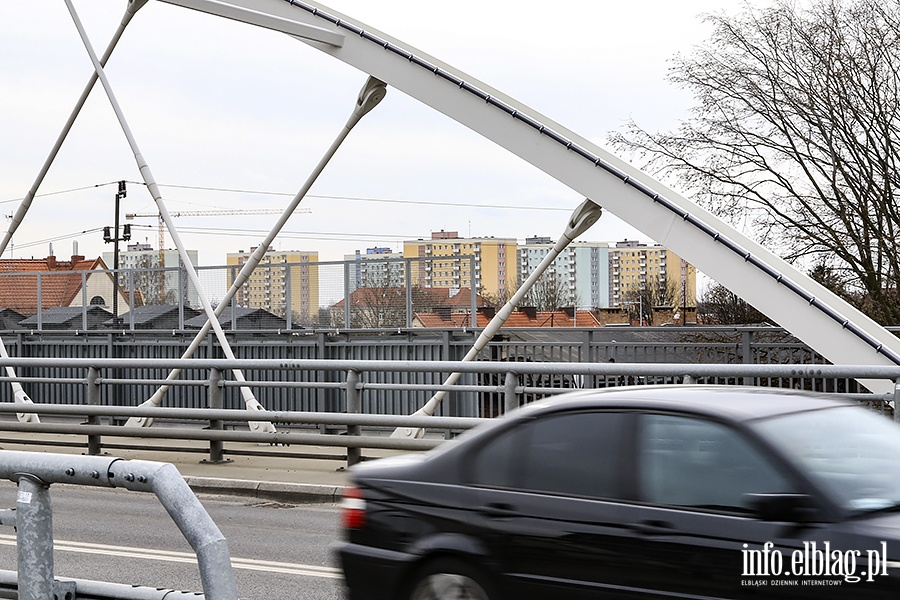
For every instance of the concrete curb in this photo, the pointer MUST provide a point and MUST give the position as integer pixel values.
(294, 493)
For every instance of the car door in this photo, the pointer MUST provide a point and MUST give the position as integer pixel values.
(548, 503)
(693, 531)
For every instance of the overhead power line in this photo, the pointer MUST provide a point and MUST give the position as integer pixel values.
(58, 192)
(322, 197)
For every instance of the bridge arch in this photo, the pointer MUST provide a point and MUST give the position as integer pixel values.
(812, 313)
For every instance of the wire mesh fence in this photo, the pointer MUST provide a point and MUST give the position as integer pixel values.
(354, 294)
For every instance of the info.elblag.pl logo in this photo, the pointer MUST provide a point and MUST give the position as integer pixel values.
(831, 566)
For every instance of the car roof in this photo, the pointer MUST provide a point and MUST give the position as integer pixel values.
(736, 403)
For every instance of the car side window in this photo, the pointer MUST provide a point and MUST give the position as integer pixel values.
(703, 464)
(576, 454)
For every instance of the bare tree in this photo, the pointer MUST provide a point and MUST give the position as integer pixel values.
(720, 306)
(796, 137)
(549, 293)
(656, 292)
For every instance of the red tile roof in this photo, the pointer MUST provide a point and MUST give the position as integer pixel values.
(60, 281)
(436, 321)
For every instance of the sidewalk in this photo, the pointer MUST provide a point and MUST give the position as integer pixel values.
(300, 478)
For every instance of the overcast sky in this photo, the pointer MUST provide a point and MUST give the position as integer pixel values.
(215, 104)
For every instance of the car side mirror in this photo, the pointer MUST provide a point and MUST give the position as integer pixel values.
(789, 508)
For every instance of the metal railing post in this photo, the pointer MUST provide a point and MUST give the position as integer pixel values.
(897, 399)
(747, 352)
(689, 380)
(472, 292)
(354, 406)
(131, 299)
(84, 300)
(288, 297)
(216, 402)
(34, 539)
(40, 303)
(407, 280)
(510, 399)
(35, 471)
(348, 321)
(93, 399)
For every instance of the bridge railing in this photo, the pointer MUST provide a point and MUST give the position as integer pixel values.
(516, 383)
(35, 472)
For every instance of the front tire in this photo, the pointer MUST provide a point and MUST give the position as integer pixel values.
(450, 579)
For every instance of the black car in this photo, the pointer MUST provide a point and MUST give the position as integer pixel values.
(642, 492)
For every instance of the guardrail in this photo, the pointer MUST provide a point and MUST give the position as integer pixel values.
(353, 379)
(33, 519)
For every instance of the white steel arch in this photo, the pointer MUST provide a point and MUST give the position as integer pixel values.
(818, 317)
(812, 313)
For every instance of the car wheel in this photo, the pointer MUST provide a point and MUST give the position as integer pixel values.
(450, 579)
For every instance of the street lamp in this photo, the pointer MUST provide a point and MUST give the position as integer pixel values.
(587, 213)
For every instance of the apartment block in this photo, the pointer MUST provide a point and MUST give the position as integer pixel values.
(158, 276)
(450, 261)
(581, 271)
(375, 268)
(283, 280)
(637, 266)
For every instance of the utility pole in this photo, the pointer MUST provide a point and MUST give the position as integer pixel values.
(114, 237)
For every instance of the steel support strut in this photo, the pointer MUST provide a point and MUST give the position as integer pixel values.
(371, 94)
(822, 320)
(147, 175)
(19, 394)
(587, 213)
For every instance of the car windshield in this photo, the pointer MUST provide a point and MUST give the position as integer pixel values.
(850, 451)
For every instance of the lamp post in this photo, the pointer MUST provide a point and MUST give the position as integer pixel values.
(640, 304)
(115, 239)
(586, 214)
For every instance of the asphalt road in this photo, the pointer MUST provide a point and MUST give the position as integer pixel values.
(278, 551)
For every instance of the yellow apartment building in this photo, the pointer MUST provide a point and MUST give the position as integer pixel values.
(444, 261)
(636, 266)
(282, 281)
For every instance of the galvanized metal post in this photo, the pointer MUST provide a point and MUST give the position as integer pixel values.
(409, 298)
(40, 302)
(131, 299)
(216, 402)
(688, 380)
(746, 351)
(34, 539)
(320, 399)
(93, 399)
(510, 398)
(182, 285)
(35, 471)
(354, 406)
(288, 297)
(472, 292)
(347, 320)
(84, 300)
(897, 399)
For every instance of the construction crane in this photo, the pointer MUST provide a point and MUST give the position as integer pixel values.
(205, 213)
